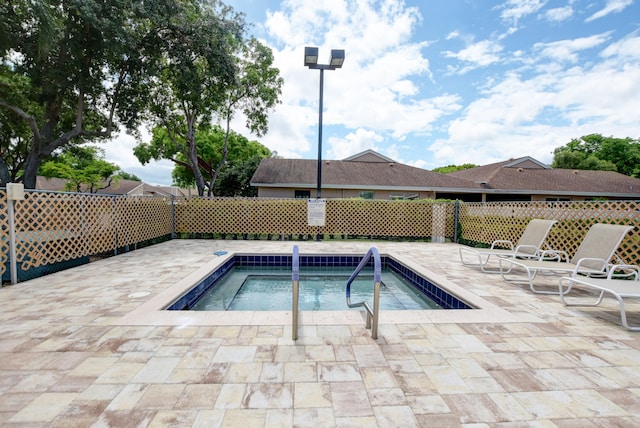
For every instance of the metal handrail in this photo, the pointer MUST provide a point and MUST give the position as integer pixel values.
(295, 278)
(372, 313)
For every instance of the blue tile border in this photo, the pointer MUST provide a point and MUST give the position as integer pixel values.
(429, 289)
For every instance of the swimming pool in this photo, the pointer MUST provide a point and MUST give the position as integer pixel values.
(400, 284)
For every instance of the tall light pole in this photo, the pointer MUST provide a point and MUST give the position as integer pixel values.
(311, 60)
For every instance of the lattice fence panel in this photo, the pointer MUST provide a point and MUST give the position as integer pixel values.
(490, 221)
(142, 218)
(238, 216)
(4, 233)
(49, 229)
(98, 222)
(289, 216)
(379, 218)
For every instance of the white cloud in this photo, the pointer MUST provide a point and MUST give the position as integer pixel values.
(567, 50)
(480, 54)
(120, 151)
(379, 86)
(522, 116)
(559, 14)
(352, 143)
(612, 6)
(513, 10)
(627, 49)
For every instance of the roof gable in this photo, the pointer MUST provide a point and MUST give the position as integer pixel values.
(369, 156)
(526, 162)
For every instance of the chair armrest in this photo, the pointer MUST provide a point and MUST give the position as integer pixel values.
(558, 255)
(502, 242)
(628, 271)
(581, 264)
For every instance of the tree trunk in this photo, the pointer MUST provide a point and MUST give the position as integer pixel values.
(192, 155)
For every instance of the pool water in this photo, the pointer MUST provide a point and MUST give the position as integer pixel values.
(270, 289)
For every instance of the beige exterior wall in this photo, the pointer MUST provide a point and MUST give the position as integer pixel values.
(289, 192)
(543, 198)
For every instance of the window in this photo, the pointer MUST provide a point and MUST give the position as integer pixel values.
(303, 194)
(367, 195)
(403, 196)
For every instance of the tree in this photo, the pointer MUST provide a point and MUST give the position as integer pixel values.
(254, 90)
(595, 152)
(452, 168)
(211, 142)
(235, 179)
(14, 132)
(73, 71)
(84, 167)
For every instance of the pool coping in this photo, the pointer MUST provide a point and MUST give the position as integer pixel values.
(152, 311)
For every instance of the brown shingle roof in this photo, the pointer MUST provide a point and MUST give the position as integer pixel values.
(507, 176)
(352, 174)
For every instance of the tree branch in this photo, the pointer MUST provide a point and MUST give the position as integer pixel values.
(33, 125)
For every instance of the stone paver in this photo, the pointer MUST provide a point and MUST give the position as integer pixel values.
(83, 348)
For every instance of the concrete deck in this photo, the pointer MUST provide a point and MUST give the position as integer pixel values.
(90, 347)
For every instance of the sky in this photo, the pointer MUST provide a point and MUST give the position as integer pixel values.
(436, 83)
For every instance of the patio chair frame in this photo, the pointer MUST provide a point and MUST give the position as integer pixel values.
(618, 288)
(529, 246)
(591, 259)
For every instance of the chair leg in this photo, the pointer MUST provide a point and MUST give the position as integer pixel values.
(531, 275)
(623, 315)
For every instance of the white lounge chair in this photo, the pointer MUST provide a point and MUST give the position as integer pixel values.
(618, 288)
(528, 246)
(592, 257)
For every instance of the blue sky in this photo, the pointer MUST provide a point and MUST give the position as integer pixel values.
(434, 83)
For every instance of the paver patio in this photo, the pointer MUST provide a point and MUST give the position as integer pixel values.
(84, 347)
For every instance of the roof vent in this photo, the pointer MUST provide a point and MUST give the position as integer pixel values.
(390, 164)
(327, 162)
(575, 171)
(520, 169)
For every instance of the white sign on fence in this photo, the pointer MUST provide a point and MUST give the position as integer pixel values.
(316, 212)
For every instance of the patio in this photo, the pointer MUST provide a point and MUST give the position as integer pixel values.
(85, 347)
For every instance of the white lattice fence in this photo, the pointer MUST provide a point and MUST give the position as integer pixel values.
(486, 222)
(289, 216)
(4, 232)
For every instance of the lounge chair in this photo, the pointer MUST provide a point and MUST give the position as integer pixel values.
(619, 288)
(528, 246)
(591, 259)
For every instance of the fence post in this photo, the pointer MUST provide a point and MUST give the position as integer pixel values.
(115, 225)
(456, 211)
(173, 216)
(15, 192)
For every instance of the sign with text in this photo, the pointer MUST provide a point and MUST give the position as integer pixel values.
(316, 212)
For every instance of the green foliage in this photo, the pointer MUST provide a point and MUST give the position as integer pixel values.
(595, 152)
(210, 76)
(74, 71)
(452, 168)
(83, 166)
(235, 179)
(122, 175)
(242, 155)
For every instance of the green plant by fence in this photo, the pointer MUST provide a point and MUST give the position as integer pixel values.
(58, 230)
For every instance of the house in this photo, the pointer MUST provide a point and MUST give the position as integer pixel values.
(368, 175)
(372, 175)
(526, 179)
(119, 187)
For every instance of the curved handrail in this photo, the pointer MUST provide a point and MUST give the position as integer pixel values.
(377, 273)
(372, 313)
(295, 279)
